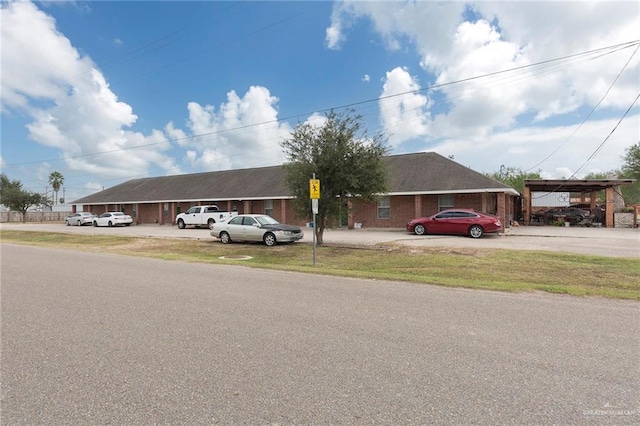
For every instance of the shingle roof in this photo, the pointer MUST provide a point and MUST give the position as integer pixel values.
(425, 172)
(428, 172)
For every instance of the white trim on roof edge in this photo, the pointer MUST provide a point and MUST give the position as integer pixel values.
(196, 200)
(457, 191)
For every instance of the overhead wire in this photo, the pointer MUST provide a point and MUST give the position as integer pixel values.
(589, 114)
(340, 107)
(521, 72)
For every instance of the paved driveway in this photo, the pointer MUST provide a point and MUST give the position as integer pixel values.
(615, 242)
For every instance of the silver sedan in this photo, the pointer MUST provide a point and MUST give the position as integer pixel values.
(256, 227)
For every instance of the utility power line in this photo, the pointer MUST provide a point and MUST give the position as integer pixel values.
(601, 51)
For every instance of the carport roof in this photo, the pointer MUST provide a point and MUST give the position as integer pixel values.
(573, 185)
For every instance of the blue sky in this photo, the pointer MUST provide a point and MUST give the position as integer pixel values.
(104, 92)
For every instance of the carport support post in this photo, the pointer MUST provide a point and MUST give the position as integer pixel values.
(526, 204)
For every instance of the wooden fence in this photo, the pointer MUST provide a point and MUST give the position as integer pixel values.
(34, 216)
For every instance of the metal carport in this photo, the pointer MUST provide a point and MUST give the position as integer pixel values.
(584, 187)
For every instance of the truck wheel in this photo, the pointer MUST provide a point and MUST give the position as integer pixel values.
(210, 223)
(181, 224)
(269, 239)
(224, 238)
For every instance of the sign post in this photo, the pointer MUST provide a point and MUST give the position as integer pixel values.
(314, 194)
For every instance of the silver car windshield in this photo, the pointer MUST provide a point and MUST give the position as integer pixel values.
(266, 220)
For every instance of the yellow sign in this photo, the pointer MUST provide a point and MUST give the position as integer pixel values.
(314, 189)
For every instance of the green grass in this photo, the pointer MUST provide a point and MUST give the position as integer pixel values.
(504, 270)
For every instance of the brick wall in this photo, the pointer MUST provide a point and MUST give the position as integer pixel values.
(403, 208)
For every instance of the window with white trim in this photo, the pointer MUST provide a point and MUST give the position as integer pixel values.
(384, 208)
(445, 201)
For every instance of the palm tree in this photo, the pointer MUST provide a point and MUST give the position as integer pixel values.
(56, 180)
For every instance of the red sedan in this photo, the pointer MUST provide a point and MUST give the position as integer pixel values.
(456, 222)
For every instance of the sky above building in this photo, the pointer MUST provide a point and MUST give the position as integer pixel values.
(104, 92)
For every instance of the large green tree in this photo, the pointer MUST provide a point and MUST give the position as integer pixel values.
(346, 161)
(56, 180)
(631, 170)
(514, 177)
(16, 198)
(631, 167)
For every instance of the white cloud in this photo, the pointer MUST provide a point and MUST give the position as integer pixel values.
(472, 118)
(403, 114)
(29, 37)
(550, 149)
(69, 101)
(244, 131)
(316, 120)
(366, 78)
(333, 37)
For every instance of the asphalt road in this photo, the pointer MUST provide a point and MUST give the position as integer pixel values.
(612, 242)
(106, 339)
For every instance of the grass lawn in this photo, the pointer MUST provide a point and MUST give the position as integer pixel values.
(504, 270)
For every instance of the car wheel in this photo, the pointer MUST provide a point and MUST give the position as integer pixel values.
(224, 238)
(127, 224)
(181, 224)
(269, 239)
(110, 224)
(95, 223)
(476, 231)
(419, 229)
(66, 222)
(210, 223)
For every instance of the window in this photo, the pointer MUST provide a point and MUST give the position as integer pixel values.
(249, 221)
(268, 207)
(445, 201)
(237, 220)
(384, 208)
(447, 215)
(465, 214)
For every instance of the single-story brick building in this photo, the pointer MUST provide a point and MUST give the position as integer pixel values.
(420, 184)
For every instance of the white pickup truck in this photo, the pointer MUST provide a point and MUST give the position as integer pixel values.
(199, 216)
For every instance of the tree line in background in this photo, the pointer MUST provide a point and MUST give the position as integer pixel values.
(16, 198)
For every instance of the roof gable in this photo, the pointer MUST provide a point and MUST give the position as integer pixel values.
(430, 172)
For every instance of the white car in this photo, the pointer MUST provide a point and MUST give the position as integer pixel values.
(112, 219)
(79, 219)
(255, 227)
